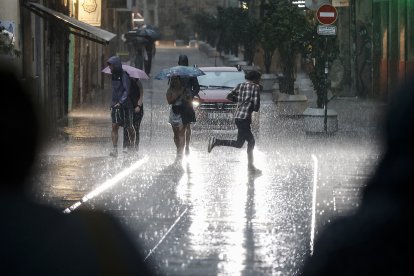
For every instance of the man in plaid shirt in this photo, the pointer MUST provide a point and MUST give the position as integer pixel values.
(247, 96)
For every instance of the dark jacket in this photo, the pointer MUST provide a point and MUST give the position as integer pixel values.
(120, 84)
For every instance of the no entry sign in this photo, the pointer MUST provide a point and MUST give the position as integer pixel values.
(327, 14)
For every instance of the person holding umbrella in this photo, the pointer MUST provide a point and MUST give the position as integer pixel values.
(175, 98)
(121, 105)
(192, 87)
(140, 52)
(145, 50)
(150, 50)
(136, 96)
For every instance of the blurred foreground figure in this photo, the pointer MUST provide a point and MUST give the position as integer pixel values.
(378, 238)
(38, 239)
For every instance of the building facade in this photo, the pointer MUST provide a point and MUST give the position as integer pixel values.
(376, 41)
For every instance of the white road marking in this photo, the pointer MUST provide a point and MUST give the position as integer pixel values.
(108, 184)
(315, 184)
(165, 235)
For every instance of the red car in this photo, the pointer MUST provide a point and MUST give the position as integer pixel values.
(213, 110)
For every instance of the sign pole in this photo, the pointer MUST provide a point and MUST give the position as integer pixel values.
(326, 15)
(325, 121)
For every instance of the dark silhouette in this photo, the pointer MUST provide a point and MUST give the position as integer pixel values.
(378, 238)
(140, 53)
(37, 239)
(151, 50)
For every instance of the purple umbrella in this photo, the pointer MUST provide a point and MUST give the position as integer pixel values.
(132, 72)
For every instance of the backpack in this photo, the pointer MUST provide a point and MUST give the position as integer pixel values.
(134, 92)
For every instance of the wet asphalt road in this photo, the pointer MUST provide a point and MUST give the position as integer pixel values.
(206, 215)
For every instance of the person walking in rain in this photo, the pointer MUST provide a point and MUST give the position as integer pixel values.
(175, 98)
(121, 105)
(247, 97)
(150, 50)
(137, 97)
(140, 54)
(192, 88)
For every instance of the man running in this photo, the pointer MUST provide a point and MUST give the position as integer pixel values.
(247, 97)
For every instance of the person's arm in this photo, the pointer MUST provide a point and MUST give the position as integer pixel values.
(141, 93)
(141, 96)
(127, 86)
(172, 97)
(195, 87)
(144, 53)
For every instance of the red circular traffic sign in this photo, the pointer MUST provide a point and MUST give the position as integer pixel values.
(327, 14)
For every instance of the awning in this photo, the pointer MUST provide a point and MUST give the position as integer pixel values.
(76, 27)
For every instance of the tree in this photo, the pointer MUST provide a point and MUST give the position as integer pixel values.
(321, 51)
(232, 28)
(206, 26)
(268, 34)
(290, 31)
(249, 38)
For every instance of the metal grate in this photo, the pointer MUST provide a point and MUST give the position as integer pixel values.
(218, 106)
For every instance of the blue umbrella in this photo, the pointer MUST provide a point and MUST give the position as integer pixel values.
(180, 71)
(147, 32)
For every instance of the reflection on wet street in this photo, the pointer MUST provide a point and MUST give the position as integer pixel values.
(205, 215)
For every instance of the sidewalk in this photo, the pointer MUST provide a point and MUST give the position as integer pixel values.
(355, 116)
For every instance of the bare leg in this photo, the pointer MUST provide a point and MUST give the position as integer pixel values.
(114, 136)
(187, 138)
(137, 124)
(179, 139)
(176, 140)
(131, 136)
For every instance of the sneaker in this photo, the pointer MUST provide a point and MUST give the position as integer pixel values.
(187, 151)
(125, 150)
(211, 143)
(114, 153)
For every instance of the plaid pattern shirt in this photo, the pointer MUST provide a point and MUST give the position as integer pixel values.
(248, 99)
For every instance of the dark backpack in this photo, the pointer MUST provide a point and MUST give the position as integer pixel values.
(134, 92)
